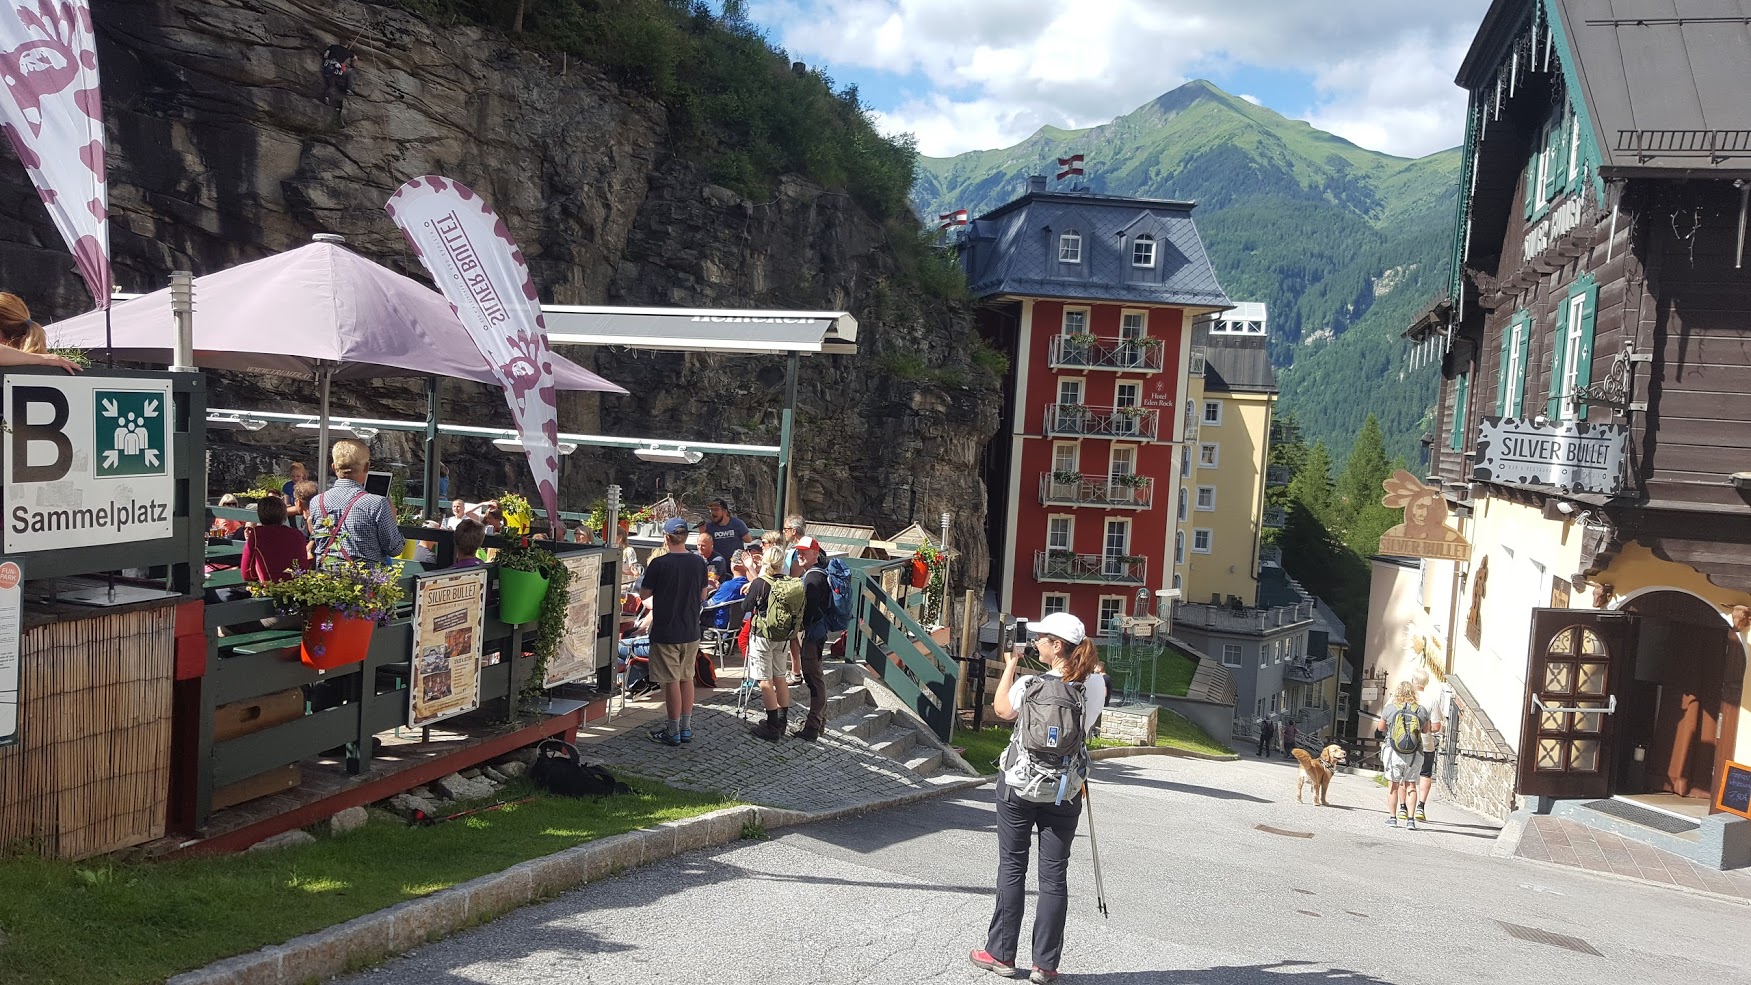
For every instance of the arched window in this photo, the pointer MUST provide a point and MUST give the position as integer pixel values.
(1143, 251)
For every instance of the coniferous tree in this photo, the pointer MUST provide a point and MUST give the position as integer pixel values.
(1364, 472)
(1312, 486)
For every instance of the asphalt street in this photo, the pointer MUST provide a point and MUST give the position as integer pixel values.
(1199, 892)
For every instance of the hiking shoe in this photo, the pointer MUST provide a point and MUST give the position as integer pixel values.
(1391, 822)
(1041, 976)
(1403, 814)
(770, 731)
(1410, 825)
(982, 960)
(662, 737)
(1421, 816)
(686, 735)
(809, 733)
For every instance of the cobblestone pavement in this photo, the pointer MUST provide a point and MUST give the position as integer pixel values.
(1213, 876)
(835, 772)
(1559, 840)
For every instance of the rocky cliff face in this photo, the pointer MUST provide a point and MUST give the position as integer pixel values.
(220, 152)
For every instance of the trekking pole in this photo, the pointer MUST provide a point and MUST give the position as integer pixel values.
(1100, 894)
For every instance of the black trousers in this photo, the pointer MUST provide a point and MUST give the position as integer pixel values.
(1017, 820)
(817, 683)
(1264, 744)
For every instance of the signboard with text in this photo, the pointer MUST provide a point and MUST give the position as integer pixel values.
(87, 462)
(1565, 456)
(576, 657)
(449, 619)
(11, 649)
(1424, 532)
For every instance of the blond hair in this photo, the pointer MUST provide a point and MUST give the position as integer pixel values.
(16, 328)
(1405, 693)
(349, 454)
(772, 562)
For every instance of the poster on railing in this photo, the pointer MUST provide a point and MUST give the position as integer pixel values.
(11, 639)
(575, 659)
(449, 617)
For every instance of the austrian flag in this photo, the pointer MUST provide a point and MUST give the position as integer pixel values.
(956, 218)
(1070, 165)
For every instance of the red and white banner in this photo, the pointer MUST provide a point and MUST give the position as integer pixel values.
(475, 263)
(53, 116)
(1070, 165)
(956, 218)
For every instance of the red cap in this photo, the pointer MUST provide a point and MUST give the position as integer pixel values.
(807, 543)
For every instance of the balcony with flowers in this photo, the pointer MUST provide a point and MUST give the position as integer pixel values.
(1082, 351)
(1099, 569)
(1123, 491)
(1080, 420)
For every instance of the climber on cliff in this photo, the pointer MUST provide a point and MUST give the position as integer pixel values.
(337, 74)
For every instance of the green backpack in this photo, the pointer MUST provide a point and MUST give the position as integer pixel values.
(782, 616)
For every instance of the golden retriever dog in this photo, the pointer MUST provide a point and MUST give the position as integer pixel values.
(1316, 772)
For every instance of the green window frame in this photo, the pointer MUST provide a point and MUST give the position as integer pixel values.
(1461, 398)
(1511, 381)
(1571, 350)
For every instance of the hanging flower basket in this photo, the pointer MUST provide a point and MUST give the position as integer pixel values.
(920, 572)
(333, 640)
(520, 595)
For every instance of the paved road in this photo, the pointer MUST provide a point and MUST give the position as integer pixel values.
(1198, 895)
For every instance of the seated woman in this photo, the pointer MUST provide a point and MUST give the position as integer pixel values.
(223, 528)
(635, 649)
(272, 552)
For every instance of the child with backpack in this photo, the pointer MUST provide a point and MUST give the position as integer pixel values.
(776, 602)
(1039, 787)
(1402, 726)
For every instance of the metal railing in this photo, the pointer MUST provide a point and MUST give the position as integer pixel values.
(1128, 492)
(1700, 143)
(1117, 422)
(1276, 475)
(1274, 517)
(1270, 554)
(1240, 620)
(1141, 355)
(1100, 569)
(1196, 366)
(899, 650)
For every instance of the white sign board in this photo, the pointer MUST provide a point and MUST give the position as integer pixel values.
(11, 643)
(1566, 456)
(87, 462)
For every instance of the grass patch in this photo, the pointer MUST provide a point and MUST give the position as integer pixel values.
(1175, 731)
(81, 923)
(981, 749)
(1166, 671)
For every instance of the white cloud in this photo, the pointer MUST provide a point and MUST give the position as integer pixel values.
(1250, 98)
(996, 70)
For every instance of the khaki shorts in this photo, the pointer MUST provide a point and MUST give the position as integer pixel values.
(671, 662)
(768, 660)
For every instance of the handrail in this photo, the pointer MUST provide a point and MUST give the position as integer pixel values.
(900, 651)
(1117, 422)
(1097, 490)
(1108, 569)
(1137, 355)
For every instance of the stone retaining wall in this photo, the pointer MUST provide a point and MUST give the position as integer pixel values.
(1477, 768)
(1134, 725)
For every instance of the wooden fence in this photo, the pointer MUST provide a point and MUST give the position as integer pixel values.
(884, 635)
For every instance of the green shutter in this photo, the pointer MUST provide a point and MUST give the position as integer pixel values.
(1525, 352)
(1502, 374)
(1531, 183)
(1559, 343)
(1559, 167)
(1587, 287)
(1461, 390)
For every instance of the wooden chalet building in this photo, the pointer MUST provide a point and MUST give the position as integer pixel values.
(1593, 430)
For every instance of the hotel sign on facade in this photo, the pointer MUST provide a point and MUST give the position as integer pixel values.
(1567, 457)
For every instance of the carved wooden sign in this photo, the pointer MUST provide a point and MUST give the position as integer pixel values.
(1566, 456)
(1424, 532)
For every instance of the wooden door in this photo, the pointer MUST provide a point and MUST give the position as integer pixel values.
(1578, 662)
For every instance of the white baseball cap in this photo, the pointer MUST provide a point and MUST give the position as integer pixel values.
(1060, 624)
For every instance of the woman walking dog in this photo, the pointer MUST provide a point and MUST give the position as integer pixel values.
(1040, 787)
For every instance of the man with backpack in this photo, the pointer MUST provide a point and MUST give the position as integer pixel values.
(818, 610)
(777, 602)
(1402, 726)
(1040, 787)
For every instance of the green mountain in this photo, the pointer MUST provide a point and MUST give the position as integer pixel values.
(1345, 245)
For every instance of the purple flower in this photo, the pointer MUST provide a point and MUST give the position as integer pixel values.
(328, 625)
(319, 650)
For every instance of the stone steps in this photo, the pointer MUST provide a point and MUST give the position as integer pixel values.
(895, 743)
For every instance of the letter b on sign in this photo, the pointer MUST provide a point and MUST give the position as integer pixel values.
(29, 434)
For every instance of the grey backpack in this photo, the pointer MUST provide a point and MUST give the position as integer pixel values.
(1047, 757)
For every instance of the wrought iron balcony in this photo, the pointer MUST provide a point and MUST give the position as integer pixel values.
(1277, 475)
(1275, 517)
(1102, 569)
(1117, 422)
(1198, 361)
(1089, 352)
(1271, 555)
(1134, 492)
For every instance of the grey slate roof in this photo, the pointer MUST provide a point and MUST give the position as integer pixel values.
(1013, 250)
(1234, 362)
(1327, 620)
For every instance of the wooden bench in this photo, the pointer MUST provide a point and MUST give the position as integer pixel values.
(261, 641)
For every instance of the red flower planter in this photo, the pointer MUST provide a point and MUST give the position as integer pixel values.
(920, 573)
(332, 640)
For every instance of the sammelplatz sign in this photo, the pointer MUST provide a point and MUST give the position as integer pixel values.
(87, 462)
(1568, 457)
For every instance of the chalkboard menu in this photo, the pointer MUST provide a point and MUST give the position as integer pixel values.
(1735, 794)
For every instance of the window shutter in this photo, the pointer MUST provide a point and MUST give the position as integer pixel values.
(1559, 168)
(1559, 344)
(1461, 391)
(1584, 358)
(1532, 186)
(1525, 351)
(1502, 374)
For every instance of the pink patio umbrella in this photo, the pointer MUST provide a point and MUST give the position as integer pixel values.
(320, 312)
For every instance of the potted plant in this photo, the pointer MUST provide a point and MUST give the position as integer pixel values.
(525, 576)
(342, 604)
(518, 514)
(1066, 476)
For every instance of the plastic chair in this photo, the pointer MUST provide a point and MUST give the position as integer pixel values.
(722, 642)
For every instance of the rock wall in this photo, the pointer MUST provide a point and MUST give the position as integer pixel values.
(221, 152)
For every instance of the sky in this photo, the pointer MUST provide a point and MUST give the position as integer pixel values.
(973, 74)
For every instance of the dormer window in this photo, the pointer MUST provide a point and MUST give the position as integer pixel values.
(1143, 252)
(1070, 248)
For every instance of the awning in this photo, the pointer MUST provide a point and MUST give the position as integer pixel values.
(717, 330)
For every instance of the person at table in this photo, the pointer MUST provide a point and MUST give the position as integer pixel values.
(347, 523)
(22, 341)
(470, 534)
(717, 569)
(298, 508)
(728, 534)
(426, 551)
(224, 527)
(272, 551)
(729, 591)
(298, 474)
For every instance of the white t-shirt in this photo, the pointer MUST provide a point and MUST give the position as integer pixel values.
(1434, 700)
(1094, 697)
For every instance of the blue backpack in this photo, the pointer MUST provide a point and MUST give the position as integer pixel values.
(838, 615)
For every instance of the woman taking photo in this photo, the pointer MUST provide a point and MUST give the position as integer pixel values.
(24, 343)
(1069, 655)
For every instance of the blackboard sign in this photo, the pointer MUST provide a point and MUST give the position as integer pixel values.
(1735, 793)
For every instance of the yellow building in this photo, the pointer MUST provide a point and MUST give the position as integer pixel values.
(1223, 474)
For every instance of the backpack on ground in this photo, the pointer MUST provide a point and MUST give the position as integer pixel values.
(1405, 731)
(1046, 760)
(560, 769)
(838, 615)
(782, 614)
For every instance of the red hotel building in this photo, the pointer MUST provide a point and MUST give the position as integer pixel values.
(1092, 297)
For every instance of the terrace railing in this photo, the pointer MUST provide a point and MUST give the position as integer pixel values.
(1100, 569)
(1275, 517)
(1075, 489)
(1136, 355)
(1117, 422)
(898, 649)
